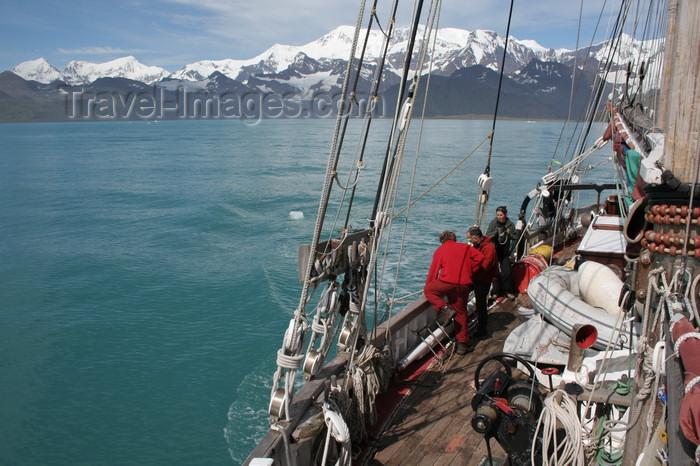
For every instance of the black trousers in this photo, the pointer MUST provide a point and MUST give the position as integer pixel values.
(481, 293)
(504, 284)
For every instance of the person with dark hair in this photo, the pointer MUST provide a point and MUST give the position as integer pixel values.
(483, 277)
(503, 234)
(450, 276)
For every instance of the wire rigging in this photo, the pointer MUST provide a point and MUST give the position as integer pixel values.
(485, 181)
(487, 170)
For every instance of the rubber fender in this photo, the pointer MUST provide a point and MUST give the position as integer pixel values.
(599, 286)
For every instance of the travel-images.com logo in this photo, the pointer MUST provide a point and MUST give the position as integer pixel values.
(186, 104)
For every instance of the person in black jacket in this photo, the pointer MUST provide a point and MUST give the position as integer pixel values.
(503, 235)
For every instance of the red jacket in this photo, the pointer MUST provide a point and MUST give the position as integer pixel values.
(454, 263)
(488, 271)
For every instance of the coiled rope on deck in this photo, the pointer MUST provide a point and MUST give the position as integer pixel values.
(370, 376)
(560, 410)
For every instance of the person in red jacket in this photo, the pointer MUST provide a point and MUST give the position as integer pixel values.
(450, 275)
(487, 274)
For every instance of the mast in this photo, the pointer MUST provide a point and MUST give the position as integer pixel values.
(679, 118)
(680, 104)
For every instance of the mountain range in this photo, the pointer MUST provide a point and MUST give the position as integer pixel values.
(304, 81)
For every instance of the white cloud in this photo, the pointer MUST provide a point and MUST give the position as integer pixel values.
(264, 22)
(100, 51)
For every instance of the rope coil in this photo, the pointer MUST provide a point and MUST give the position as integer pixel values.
(560, 410)
(287, 361)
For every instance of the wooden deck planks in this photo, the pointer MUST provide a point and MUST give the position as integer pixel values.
(433, 425)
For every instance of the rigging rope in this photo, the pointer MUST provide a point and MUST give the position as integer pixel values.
(485, 182)
(498, 93)
(388, 181)
(380, 202)
(323, 204)
(435, 9)
(289, 358)
(442, 178)
(686, 266)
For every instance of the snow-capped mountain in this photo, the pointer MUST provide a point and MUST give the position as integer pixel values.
(454, 49)
(38, 70)
(82, 72)
(273, 60)
(465, 66)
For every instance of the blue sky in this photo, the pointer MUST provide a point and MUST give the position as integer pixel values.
(172, 33)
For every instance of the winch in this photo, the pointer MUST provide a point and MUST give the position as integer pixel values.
(507, 407)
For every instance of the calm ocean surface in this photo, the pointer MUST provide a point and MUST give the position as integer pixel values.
(148, 271)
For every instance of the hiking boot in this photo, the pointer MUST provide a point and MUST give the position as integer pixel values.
(464, 348)
(447, 315)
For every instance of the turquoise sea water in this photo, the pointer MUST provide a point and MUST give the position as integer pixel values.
(148, 271)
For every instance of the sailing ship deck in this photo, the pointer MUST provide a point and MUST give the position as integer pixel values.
(432, 425)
